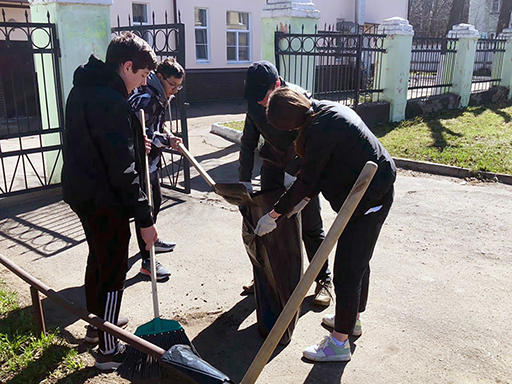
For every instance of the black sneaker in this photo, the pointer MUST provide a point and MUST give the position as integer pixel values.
(112, 361)
(162, 273)
(164, 246)
(91, 335)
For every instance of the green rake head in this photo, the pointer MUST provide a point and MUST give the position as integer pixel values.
(158, 325)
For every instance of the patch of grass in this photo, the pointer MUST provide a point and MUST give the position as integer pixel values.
(238, 125)
(477, 138)
(26, 357)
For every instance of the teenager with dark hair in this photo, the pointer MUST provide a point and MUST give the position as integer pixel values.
(279, 164)
(334, 144)
(154, 99)
(103, 161)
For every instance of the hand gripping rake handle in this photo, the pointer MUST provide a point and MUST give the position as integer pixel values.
(293, 304)
(152, 261)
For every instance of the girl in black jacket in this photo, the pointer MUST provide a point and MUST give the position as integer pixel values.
(334, 145)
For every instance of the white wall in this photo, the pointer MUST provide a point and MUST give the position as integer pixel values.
(123, 8)
(217, 29)
(379, 10)
(481, 17)
(330, 12)
(375, 10)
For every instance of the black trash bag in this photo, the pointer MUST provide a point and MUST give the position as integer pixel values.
(180, 365)
(276, 259)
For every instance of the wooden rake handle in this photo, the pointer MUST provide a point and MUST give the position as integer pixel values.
(154, 289)
(197, 166)
(321, 255)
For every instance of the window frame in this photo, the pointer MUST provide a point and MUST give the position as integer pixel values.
(207, 28)
(498, 6)
(148, 13)
(237, 45)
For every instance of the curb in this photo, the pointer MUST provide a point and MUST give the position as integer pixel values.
(448, 170)
(227, 133)
(413, 165)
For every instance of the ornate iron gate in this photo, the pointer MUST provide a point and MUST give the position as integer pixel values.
(335, 65)
(168, 40)
(31, 116)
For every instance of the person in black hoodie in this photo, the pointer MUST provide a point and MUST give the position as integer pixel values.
(101, 176)
(154, 99)
(334, 145)
(279, 162)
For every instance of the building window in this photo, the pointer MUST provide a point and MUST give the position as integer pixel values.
(495, 8)
(201, 30)
(238, 46)
(140, 13)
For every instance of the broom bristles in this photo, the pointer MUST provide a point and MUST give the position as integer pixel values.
(139, 365)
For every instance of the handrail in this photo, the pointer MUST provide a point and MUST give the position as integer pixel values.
(135, 341)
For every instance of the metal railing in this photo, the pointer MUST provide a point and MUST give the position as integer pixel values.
(333, 65)
(488, 64)
(432, 64)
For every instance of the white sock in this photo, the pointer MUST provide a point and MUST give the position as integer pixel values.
(339, 344)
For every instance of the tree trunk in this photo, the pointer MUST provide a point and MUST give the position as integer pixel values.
(459, 13)
(504, 18)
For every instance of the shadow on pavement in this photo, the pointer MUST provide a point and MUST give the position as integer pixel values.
(232, 350)
(40, 222)
(228, 348)
(43, 224)
(211, 108)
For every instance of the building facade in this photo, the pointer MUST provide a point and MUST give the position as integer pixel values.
(223, 37)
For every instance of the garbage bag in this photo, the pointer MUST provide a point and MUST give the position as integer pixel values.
(276, 259)
(180, 365)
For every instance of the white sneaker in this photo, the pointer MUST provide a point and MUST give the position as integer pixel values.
(327, 350)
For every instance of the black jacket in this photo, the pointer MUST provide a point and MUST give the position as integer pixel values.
(152, 99)
(103, 146)
(278, 150)
(337, 146)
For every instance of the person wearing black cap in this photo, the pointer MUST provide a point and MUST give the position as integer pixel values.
(279, 161)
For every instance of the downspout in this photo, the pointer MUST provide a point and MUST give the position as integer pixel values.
(360, 12)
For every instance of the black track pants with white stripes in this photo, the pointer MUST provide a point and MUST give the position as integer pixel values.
(108, 235)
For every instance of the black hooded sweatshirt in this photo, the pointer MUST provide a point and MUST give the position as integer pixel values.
(103, 146)
(337, 146)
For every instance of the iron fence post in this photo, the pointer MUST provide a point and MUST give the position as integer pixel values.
(38, 311)
(358, 68)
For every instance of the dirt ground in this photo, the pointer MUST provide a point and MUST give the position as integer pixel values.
(439, 308)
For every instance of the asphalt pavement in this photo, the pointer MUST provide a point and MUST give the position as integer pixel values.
(439, 307)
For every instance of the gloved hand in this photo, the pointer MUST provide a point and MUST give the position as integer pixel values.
(248, 185)
(288, 180)
(265, 225)
(299, 207)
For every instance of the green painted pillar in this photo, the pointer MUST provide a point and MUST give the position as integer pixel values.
(467, 37)
(506, 71)
(296, 17)
(395, 64)
(83, 28)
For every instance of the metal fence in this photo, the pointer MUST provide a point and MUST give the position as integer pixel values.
(488, 64)
(168, 40)
(432, 64)
(31, 106)
(333, 65)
